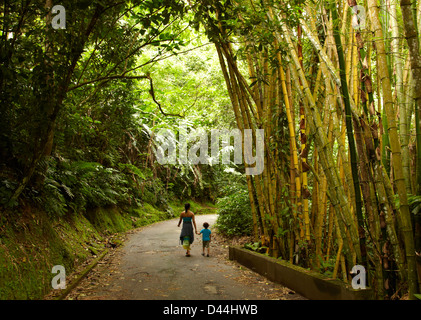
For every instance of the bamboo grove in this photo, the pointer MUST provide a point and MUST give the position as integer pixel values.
(336, 87)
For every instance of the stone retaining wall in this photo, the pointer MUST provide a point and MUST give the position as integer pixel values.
(305, 282)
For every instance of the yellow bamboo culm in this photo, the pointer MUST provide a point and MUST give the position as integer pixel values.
(291, 131)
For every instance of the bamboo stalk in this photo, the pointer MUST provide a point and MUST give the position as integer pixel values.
(398, 66)
(406, 227)
(351, 141)
(240, 126)
(291, 131)
(412, 39)
(329, 232)
(337, 191)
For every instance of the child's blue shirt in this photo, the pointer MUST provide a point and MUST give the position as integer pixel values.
(205, 234)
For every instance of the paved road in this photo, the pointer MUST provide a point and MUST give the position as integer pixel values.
(152, 265)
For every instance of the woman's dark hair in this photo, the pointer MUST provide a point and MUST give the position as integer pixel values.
(187, 206)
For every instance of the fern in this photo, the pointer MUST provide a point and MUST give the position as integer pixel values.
(133, 169)
(414, 203)
(55, 203)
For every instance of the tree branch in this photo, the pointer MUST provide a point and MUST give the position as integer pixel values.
(151, 90)
(152, 93)
(106, 79)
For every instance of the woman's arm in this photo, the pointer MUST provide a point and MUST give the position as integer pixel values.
(194, 222)
(181, 218)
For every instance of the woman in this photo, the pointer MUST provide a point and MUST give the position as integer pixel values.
(187, 235)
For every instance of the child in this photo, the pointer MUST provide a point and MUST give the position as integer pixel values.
(206, 237)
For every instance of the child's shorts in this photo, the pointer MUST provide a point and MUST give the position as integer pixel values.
(206, 244)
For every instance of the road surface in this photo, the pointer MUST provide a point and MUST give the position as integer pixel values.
(152, 266)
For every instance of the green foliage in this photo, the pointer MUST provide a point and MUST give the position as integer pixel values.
(256, 246)
(101, 150)
(147, 214)
(191, 85)
(326, 267)
(61, 84)
(234, 211)
(75, 136)
(78, 185)
(414, 203)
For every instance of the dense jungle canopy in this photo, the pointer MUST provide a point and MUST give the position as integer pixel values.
(335, 85)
